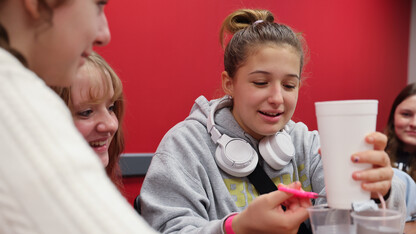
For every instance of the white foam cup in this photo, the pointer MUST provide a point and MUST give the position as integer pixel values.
(342, 127)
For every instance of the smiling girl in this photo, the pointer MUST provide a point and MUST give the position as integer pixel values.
(401, 131)
(401, 146)
(198, 179)
(96, 102)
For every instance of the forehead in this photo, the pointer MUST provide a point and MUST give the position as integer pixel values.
(270, 49)
(91, 84)
(408, 104)
(279, 58)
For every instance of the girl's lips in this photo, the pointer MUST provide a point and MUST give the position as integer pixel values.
(99, 145)
(411, 133)
(86, 54)
(82, 61)
(84, 57)
(270, 113)
(270, 116)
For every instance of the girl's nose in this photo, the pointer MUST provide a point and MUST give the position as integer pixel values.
(103, 35)
(413, 122)
(275, 96)
(108, 123)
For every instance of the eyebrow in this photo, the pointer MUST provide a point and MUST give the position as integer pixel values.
(268, 73)
(406, 110)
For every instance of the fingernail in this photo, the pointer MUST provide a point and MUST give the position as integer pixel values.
(357, 175)
(356, 158)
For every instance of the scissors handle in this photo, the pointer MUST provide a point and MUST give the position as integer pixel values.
(299, 193)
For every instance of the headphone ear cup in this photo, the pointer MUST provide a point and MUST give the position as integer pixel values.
(235, 156)
(277, 150)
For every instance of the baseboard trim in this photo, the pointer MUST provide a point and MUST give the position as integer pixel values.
(135, 164)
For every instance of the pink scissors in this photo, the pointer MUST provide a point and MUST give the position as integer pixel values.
(299, 193)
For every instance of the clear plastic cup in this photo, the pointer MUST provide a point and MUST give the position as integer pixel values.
(383, 221)
(325, 220)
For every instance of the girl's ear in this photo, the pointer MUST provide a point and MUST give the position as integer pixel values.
(31, 6)
(227, 83)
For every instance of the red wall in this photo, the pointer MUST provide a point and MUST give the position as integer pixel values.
(167, 54)
(132, 186)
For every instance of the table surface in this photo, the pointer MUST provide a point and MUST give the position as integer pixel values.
(410, 228)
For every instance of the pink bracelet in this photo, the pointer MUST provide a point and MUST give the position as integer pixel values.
(228, 224)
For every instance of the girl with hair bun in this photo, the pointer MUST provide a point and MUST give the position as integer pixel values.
(203, 177)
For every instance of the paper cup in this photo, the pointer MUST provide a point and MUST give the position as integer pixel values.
(342, 127)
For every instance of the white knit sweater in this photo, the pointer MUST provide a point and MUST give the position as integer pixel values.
(50, 179)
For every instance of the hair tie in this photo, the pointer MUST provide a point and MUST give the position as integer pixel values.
(257, 22)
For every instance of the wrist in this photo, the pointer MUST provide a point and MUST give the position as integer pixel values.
(228, 228)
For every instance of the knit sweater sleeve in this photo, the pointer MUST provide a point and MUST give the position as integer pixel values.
(50, 179)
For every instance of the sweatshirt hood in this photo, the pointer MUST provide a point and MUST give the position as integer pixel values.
(223, 118)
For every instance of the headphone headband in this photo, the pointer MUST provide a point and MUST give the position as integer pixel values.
(212, 130)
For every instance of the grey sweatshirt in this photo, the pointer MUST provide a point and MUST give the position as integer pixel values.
(184, 190)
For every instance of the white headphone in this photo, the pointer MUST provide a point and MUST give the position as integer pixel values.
(236, 156)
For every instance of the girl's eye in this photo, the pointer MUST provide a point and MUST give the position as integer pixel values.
(260, 83)
(85, 113)
(289, 86)
(111, 108)
(101, 4)
(406, 114)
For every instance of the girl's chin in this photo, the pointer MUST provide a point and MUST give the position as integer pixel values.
(271, 131)
(260, 135)
(104, 159)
